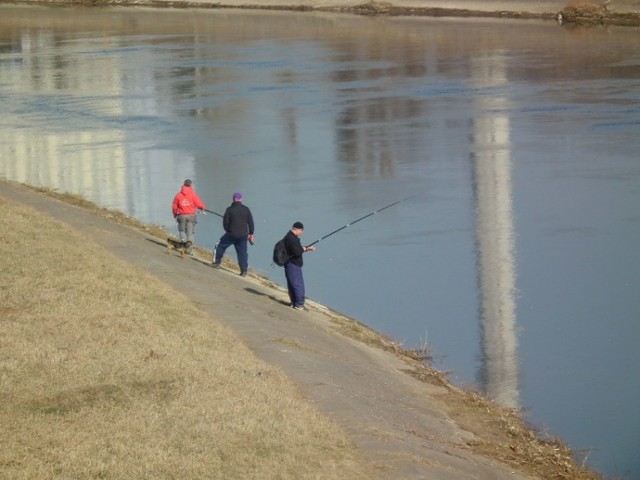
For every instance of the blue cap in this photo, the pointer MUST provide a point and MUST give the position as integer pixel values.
(237, 196)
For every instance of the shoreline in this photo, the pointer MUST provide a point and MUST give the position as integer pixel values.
(565, 12)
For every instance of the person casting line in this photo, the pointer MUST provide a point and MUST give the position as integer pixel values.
(237, 222)
(293, 266)
(185, 205)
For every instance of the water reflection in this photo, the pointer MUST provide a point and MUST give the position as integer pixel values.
(491, 162)
(89, 150)
(63, 159)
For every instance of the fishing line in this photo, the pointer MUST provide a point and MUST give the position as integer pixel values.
(361, 218)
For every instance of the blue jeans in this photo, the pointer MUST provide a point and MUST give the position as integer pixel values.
(295, 283)
(240, 243)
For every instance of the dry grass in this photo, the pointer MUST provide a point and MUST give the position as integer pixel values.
(356, 330)
(587, 7)
(503, 435)
(584, 12)
(107, 373)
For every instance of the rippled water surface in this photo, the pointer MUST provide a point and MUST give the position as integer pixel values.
(512, 145)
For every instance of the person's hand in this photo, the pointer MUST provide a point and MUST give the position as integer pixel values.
(250, 238)
(309, 249)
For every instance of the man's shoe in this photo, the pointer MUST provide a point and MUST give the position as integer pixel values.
(216, 266)
(300, 307)
(243, 274)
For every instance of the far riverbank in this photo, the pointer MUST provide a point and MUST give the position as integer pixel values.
(571, 12)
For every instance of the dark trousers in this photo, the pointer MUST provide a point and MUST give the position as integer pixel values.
(240, 243)
(295, 283)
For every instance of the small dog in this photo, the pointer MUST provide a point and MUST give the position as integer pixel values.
(178, 245)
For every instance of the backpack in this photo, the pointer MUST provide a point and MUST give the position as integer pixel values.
(280, 254)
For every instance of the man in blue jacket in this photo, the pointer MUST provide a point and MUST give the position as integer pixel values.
(237, 222)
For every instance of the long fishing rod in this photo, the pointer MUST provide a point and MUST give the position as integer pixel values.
(361, 218)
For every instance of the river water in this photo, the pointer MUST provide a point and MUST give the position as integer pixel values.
(512, 146)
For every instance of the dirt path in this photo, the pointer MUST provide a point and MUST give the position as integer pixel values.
(397, 420)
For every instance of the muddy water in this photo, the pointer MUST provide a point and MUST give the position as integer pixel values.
(516, 256)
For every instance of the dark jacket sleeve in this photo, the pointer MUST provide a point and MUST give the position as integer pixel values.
(250, 221)
(226, 220)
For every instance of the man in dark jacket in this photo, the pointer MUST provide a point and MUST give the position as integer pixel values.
(238, 226)
(293, 267)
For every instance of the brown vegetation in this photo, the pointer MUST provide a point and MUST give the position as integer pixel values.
(502, 434)
(583, 12)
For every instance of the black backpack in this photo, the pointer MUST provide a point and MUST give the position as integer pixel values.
(280, 255)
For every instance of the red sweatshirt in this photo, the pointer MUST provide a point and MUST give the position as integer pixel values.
(186, 201)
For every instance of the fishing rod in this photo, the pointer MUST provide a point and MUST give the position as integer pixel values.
(215, 213)
(361, 218)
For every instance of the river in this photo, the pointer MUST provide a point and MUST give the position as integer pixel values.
(511, 147)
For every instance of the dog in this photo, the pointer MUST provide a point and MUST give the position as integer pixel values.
(179, 246)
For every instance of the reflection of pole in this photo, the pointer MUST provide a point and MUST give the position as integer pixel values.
(495, 242)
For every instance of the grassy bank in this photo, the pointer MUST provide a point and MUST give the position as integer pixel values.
(107, 373)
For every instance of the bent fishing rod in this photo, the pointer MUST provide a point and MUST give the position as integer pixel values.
(361, 218)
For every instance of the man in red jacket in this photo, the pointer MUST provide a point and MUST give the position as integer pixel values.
(184, 208)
